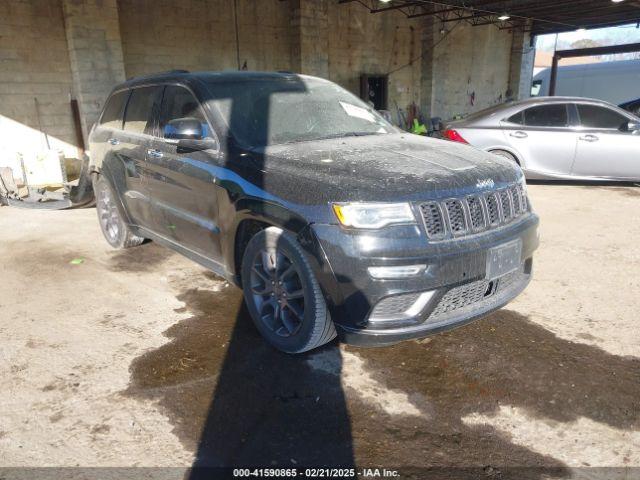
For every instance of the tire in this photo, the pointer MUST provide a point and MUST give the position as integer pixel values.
(505, 154)
(114, 228)
(282, 294)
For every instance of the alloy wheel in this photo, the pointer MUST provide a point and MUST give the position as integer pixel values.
(277, 292)
(108, 213)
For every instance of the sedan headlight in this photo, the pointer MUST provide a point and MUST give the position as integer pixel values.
(373, 215)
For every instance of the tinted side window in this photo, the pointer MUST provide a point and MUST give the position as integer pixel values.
(138, 115)
(112, 116)
(517, 118)
(592, 116)
(178, 102)
(546, 116)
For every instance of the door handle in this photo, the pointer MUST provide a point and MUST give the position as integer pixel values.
(519, 134)
(152, 152)
(113, 141)
(589, 138)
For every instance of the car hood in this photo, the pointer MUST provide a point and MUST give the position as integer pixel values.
(394, 167)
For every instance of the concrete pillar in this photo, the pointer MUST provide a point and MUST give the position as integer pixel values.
(95, 54)
(427, 73)
(521, 65)
(310, 42)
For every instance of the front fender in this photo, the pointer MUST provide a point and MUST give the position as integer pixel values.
(232, 216)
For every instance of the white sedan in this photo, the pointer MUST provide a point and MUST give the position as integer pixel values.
(564, 138)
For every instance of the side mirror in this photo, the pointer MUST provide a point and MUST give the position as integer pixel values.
(189, 134)
(183, 129)
(632, 126)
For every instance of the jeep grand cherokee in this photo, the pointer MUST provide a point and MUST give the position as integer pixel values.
(330, 219)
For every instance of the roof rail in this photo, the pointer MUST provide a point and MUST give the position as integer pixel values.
(166, 72)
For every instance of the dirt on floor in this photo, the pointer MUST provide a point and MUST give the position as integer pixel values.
(142, 358)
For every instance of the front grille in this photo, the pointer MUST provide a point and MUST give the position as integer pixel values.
(455, 217)
(457, 220)
(473, 293)
(505, 204)
(476, 214)
(462, 296)
(519, 198)
(492, 208)
(432, 219)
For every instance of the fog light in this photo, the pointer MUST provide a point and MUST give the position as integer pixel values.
(401, 271)
(400, 307)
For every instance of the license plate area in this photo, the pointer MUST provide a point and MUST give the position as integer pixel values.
(503, 259)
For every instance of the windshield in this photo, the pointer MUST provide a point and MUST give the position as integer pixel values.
(270, 111)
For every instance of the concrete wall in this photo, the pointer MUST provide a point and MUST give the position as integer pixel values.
(471, 69)
(54, 50)
(381, 44)
(35, 79)
(95, 53)
(200, 35)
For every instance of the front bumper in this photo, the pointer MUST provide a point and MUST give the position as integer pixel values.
(452, 267)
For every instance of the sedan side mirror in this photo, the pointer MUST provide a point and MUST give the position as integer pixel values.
(188, 133)
(632, 126)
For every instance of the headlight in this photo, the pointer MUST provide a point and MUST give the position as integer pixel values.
(373, 215)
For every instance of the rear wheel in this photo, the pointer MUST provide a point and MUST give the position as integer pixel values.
(282, 293)
(115, 230)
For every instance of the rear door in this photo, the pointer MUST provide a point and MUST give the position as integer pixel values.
(545, 138)
(104, 139)
(605, 148)
(182, 182)
(134, 141)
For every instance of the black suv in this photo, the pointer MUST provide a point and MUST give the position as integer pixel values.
(330, 219)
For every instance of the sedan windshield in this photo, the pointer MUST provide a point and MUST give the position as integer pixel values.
(270, 111)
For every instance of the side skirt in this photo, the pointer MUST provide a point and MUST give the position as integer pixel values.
(208, 263)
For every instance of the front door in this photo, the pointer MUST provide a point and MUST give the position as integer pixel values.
(182, 182)
(605, 148)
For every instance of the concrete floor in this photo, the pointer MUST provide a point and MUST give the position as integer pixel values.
(142, 358)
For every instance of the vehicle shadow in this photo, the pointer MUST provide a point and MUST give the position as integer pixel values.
(237, 401)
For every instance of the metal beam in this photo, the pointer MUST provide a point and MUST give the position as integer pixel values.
(587, 52)
(396, 7)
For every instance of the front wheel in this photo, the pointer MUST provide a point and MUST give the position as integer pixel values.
(282, 294)
(114, 228)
